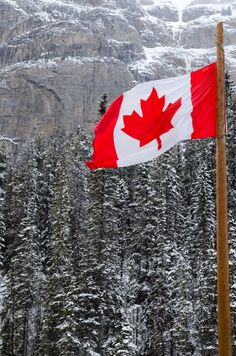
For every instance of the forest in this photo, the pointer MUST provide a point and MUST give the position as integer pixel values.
(112, 262)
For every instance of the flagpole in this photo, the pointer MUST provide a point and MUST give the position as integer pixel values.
(224, 317)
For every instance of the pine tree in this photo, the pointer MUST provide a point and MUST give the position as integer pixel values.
(200, 237)
(21, 312)
(115, 316)
(231, 142)
(78, 152)
(59, 335)
(48, 154)
(166, 232)
(91, 266)
(103, 103)
(124, 345)
(138, 247)
(2, 190)
(101, 303)
(182, 337)
(8, 303)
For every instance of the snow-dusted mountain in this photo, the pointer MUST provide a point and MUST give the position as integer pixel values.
(57, 57)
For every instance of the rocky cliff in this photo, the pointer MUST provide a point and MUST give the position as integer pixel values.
(57, 57)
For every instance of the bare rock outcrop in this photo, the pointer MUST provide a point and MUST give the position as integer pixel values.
(57, 57)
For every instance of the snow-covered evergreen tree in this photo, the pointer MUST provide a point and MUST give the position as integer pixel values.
(22, 304)
(60, 334)
(231, 151)
(201, 242)
(78, 152)
(2, 189)
(115, 314)
(166, 231)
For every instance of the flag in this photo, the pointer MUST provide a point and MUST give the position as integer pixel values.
(154, 116)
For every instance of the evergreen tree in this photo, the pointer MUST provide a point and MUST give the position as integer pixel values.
(48, 154)
(124, 345)
(166, 231)
(59, 335)
(2, 195)
(103, 104)
(231, 147)
(78, 152)
(138, 247)
(115, 316)
(91, 265)
(21, 312)
(200, 237)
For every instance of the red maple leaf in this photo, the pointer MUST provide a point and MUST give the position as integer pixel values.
(154, 122)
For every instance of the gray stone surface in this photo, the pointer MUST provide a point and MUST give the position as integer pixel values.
(58, 57)
(164, 12)
(39, 97)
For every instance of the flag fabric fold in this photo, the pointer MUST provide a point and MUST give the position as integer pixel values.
(154, 116)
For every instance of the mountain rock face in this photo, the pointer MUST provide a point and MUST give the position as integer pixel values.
(57, 57)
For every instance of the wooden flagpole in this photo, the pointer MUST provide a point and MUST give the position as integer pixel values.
(224, 317)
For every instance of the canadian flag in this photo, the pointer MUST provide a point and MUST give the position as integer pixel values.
(154, 116)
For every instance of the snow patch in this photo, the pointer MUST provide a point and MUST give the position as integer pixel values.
(14, 141)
